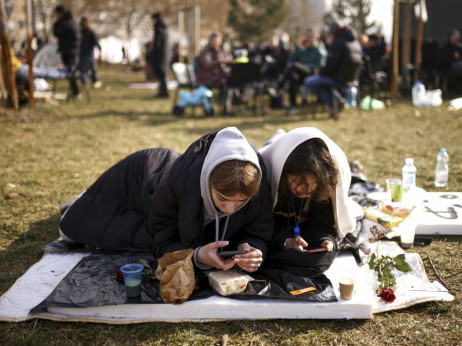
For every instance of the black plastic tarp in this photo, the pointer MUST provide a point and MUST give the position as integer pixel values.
(92, 282)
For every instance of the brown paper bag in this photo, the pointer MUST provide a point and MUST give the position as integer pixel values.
(175, 271)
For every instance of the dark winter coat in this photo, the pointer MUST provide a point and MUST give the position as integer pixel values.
(89, 43)
(152, 200)
(113, 212)
(344, 48)
(67, 31)
(160, 50)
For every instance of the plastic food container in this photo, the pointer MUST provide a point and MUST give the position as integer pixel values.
(228, 282)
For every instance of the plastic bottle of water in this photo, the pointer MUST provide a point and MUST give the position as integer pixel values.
(418, 94)
(409, 175)
(351, 94)
(442, 168)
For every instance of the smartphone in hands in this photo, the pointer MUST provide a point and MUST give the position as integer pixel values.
(227, 254)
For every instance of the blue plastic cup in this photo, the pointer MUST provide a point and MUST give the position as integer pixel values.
(132, 279)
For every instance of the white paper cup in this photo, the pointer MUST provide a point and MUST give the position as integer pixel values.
(347, 287)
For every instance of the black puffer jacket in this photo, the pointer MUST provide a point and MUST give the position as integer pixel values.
(152, 200)
(177, 216)
(112, 213)
(344, 48)
(67, 31)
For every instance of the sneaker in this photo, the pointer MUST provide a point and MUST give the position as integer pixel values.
(74, 97)
(273, 92)
(97, 85)
(227, 113)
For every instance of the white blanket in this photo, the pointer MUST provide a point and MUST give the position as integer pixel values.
(40, 280)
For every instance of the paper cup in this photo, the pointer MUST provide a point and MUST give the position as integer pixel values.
(347, 286)
(132, 279)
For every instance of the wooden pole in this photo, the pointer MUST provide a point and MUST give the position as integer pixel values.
(418, 48)
(180, 34)
(29, 54)
(6, 58)
(395, 50)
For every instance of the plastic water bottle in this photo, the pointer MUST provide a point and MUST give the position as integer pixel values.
(442, 168)
(418, 94)
(351, 95)
(409, 175)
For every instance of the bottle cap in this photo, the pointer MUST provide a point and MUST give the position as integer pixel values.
(442, 150)
(409, 161)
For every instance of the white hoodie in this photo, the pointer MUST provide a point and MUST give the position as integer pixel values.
(346, 211)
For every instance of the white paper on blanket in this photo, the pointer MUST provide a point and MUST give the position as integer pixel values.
(411, 288)
(436, 212)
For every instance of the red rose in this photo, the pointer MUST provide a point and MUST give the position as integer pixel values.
(119, 274)
(387, 294)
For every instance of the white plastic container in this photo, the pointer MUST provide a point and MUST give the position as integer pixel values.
(442, 168)
(409, 179)
(418, 93)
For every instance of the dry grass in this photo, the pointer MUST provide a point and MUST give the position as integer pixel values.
(52, 153)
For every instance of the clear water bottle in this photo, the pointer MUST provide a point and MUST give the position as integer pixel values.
(351, 96)
(442, 168)
(418, 94)
(409, 175)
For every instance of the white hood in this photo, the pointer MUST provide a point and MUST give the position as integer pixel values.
(275, 155)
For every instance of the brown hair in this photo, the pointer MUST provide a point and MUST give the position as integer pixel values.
(85, 24)
(236, 176)
(312, 157)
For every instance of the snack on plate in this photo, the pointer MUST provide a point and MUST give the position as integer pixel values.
(381, 217)
(397, 209)
(228, 282)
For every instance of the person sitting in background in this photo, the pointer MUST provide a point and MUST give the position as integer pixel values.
(21, 71)
(212, 71)
(450, 61)
(87, 63)
(306, 60)
(345, 48)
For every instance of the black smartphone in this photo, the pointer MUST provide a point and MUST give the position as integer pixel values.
(226, 254)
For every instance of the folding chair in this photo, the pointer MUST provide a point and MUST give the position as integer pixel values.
(349, 77)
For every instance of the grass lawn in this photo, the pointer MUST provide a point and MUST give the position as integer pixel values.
(52, 153)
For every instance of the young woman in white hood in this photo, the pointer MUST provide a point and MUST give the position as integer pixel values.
(310, 177)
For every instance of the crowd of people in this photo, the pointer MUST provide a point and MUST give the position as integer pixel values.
(76, 46)
(284, 70)
(289, 72)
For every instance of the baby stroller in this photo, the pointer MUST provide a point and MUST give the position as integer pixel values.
(200, 95)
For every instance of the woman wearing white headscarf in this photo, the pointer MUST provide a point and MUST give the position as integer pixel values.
(310, 177)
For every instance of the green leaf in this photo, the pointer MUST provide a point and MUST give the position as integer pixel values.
(144, 263)
(401, 264)
(372, 261)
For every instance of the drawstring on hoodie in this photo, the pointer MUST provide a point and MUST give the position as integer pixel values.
(217, 228)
